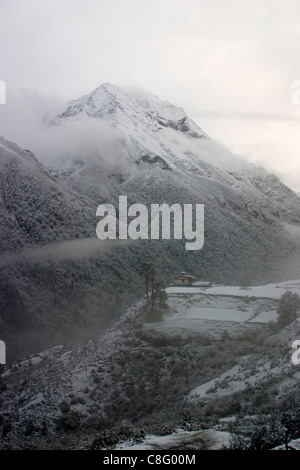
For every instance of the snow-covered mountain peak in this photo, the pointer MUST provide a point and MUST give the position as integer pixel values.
(127, 108)
(149, 132)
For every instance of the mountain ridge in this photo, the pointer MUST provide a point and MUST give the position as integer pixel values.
(111, 101)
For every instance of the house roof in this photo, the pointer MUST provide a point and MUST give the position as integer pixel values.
(184, 275)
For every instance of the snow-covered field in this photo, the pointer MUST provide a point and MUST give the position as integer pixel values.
(269, 291)
(249, 371)
(216, 309)
(210, 439)
(295, 443)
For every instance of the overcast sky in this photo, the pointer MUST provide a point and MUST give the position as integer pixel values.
(229, 63)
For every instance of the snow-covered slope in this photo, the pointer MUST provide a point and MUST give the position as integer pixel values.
(56, 278)
(144, 375)
(35, 208)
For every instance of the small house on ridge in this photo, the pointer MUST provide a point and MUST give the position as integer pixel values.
(183, 279)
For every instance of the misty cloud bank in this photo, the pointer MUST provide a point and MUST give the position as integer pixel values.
(64, 251)
(25, 120)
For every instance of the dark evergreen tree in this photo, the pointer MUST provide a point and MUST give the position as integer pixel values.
(288, 306)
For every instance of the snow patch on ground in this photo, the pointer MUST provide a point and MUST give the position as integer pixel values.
(208, 439)
(240, 377)
(213, 310)
(270, 291)
(295, 443)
